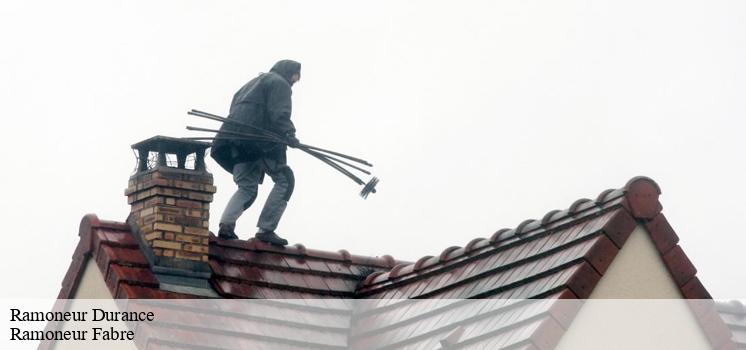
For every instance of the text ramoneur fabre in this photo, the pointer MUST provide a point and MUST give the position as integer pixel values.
(93, 315)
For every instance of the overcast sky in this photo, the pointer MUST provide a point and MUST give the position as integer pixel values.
(476, 116)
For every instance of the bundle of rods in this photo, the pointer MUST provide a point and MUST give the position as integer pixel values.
(331, 158)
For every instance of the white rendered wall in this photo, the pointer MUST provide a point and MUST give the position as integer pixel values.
(92, 284)
(636, 305)
(92, 292)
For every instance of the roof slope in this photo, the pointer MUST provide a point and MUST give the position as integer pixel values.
(561, 256)
(565, 250)
(241, 269)
(733, 314)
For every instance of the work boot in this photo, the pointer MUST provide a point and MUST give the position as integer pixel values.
(271, 237)
(226, 231)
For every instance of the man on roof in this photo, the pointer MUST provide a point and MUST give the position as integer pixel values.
(264, 103)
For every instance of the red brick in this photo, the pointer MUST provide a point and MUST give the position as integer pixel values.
(146, 211)
(145, 229)
(162, 209)
(185, 203)
(153, 201)
(196, 231)
(145, 185)
(194, 186)
(148, 219)
(195, 248)
(165, 191)
(166, 174)
(189, 255)
(184, 220)
(161, 226)
(195, 213)
(199, 196)
(189, 238)
(167, 201)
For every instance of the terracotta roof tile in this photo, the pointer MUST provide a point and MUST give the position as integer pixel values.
(679, 265)
(733, 314)
(511, 254)
(562, 255)
(695, 290)
(662, 233)
(274, 323)
(642, 194)
(497, 322)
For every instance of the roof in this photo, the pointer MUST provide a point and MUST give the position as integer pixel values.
(563, 255)
(565, 251)
(241, 269)
(733, 314)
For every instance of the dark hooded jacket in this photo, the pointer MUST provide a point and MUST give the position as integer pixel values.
(264, 102)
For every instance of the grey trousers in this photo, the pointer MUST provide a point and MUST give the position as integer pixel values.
(248, 176)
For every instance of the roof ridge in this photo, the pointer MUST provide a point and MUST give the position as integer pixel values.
(298, 249)
(580, 210)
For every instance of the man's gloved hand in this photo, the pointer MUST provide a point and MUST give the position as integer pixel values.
(293, 141)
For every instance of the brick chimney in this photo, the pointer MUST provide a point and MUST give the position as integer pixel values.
(170, 195)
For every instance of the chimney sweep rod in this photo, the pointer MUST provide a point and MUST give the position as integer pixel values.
(330, 163)
(337, 160)
(237, 138)
(358, 160)
(211, 116)
(206, 115)
(212, 138)
(246, 136)
(198, 113)
(336, 166)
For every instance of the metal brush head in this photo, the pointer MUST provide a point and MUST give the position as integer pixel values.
(369, 188)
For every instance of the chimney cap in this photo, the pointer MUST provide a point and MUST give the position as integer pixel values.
(164, 145)
(171, 145)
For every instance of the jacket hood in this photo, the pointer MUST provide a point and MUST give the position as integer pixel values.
(286, 69)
